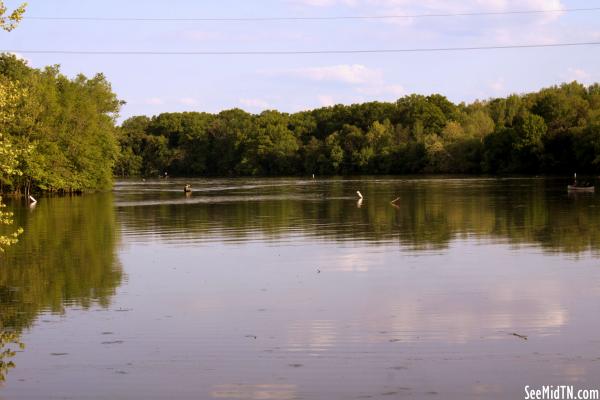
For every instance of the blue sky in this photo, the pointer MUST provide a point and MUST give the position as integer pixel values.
(155, 84)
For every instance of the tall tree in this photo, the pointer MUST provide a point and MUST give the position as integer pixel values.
(10, 94)
(68, 123)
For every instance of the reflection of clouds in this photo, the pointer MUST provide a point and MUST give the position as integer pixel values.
(552, 318)
(312, 335)
(354, 260)
(537, 303)
(254, 392)
(460, 318)
(574, 373)
(438, 302)
(482, 389)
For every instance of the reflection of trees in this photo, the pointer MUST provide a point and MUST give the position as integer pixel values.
(8, 342)
(66, 257)
(429, 214)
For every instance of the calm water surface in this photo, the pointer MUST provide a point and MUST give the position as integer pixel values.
(280, 289)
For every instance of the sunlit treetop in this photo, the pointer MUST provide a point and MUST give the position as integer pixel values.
(10, 21)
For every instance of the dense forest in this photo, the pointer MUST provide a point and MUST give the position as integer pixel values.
(553, 131)
(58, 134)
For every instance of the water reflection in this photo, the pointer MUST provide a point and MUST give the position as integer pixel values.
(255, 392)
(427, 214)
(285, 289)
(9, 342)
(66, 258)
(312, 337)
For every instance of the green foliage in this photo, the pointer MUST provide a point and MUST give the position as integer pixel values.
(10, 22)
(528, 144)
(587, 149)
(62, 130)
(552, 131)
(10, 94)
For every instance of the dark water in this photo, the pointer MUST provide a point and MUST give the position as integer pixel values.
(287, 289)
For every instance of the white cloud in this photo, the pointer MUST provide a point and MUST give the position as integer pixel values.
(497, 86)
(353, 74)
(327, 3)
(532, 28)
(474, 6)
(188, 101)
(411, 7)
(154, 101)
(383, 90)
(467, 5)
(325, 100)
(352, 79)
(442, 5)
(254, 103)
(578, 74)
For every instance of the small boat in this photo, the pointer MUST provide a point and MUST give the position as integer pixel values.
(584, 187)
(573, 188)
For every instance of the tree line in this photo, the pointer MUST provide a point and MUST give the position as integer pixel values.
(553, 131)
(60, 135)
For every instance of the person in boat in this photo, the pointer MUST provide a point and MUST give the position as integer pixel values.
(586, 186)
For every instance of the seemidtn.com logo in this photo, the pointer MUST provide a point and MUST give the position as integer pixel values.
(561, 392)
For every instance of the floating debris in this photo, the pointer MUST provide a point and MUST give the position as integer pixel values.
(524, 337)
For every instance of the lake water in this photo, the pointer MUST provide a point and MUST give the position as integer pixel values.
(280, 289)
